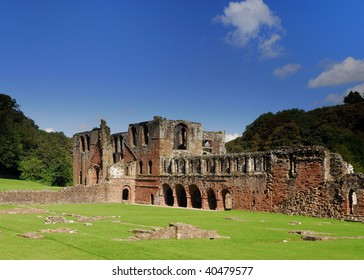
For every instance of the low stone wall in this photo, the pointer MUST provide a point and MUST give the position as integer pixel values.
(77, 194)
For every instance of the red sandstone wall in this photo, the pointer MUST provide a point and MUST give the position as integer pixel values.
(77, 194)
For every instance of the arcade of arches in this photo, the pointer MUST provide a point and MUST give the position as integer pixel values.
(192, 197)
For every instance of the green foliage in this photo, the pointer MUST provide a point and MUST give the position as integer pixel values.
(339, 128)
(353, 97)
(17, 136)
(29, 153)
(50, 163)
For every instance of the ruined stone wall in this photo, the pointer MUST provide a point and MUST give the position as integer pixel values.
(329, 200)
(77, 194)
(177, 164)
(214, 142)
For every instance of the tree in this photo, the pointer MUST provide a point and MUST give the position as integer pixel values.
(17, 136)
(30, 153)
(353, 97)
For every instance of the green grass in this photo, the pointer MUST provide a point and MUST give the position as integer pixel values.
(11, 184)
(257, 236)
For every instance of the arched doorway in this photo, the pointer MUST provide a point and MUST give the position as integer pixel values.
(152, 199)
(352, 201)
(227, 199)
(196, 200)
(168, 195)
(212, 199)
(126, 194)
(181, 196)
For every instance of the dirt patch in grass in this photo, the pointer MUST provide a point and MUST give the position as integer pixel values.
(58, 230)
(20, 211)
(309, 235)
(235, 219)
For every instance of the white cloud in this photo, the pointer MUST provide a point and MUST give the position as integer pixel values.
(286, 70)
(349, 70)
(337, 98)
(49, 130)
(252, 21)
(229, 137)
(269, 48)
(358, 88)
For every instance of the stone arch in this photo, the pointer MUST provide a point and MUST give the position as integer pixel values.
(196, 198)
(82, 144)
(94, 175)
(140, 167)
(181, 196)
(126, 193)
(168, 195)
(150, 167)
(227, 199)
(133, 131)
(181, 166)
(145, 135)
(212, 199)
(352, 202)
(180, 137)
(88, 143)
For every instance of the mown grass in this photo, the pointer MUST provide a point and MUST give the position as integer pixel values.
(257, 236)
(10, 184)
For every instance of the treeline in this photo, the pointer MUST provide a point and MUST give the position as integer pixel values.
(338, 128)
(26, 152)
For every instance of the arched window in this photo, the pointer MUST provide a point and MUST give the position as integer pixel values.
(133, 136)
(116, 146)
(180, 137)
(140, 167)
(82, 144)
(88, 142)
(145, 135)
(150, 167)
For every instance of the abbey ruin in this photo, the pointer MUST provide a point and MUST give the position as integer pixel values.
(176, 164)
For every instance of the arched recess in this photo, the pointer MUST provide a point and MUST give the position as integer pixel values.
(181, 196)
(227, 199)
(82, 144)
(352, 201)
(133, 135)
(94, 175)
(168, 195)
(145, 135)
(196, 199)
(126, 193)
(180, 137)
(212, 199)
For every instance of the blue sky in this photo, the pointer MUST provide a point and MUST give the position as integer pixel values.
(222, 63)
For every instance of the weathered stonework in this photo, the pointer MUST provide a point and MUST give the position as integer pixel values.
(177, 164)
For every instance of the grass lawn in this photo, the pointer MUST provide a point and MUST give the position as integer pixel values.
(10, 184)
(256, 236)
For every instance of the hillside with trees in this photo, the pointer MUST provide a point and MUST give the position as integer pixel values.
(339, 128)
(26, 152)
